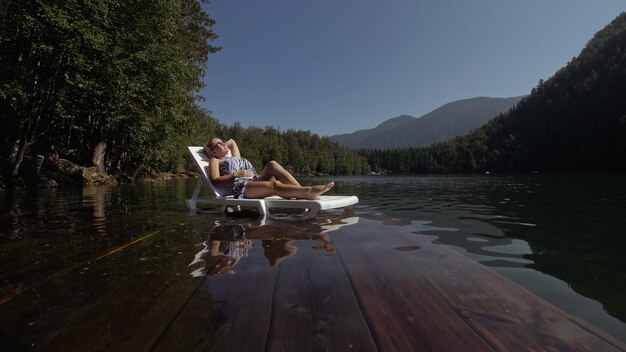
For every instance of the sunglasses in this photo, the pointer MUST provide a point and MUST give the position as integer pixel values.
(218, 144)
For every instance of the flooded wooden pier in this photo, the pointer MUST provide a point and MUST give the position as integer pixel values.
(353, 288)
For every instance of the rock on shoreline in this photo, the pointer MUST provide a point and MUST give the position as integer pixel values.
(66, 173)
(83, 176)
(52, 173)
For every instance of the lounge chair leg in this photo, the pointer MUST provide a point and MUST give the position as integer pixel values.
(263, 211)
(196, 190)
(311, 214)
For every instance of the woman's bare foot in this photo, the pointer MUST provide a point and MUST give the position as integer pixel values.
(315, 191)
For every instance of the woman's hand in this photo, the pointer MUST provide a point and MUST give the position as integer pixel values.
(234, 149)
(243, 173)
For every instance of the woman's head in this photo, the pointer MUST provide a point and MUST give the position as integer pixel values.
(216, 148)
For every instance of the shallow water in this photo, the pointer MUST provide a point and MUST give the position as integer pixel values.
(560, 236)
(64, 251)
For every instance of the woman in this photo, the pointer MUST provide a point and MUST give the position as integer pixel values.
(228, 171)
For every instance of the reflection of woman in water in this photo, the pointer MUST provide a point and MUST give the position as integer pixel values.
(227, 254)
(230, 243)
(227, 246)
(276, 250)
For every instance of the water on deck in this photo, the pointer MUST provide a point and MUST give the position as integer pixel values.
(339, 283)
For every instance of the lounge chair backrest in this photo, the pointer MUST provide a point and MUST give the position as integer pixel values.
(202, 160)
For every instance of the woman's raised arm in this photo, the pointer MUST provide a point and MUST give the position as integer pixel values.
(234, 149)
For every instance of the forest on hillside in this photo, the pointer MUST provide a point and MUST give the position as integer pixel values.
(573, 121)
(115, 84)
(302, 152)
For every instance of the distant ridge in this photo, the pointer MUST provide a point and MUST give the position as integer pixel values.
(573, 121)
(444, 123)
(355, 138)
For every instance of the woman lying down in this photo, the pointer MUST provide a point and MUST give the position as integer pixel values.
(230, 172)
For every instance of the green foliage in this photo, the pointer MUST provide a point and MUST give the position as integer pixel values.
(301, 152)
(124, 72)
(576, 120)
(127, 73)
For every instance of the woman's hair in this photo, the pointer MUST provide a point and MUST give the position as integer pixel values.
(208, 147)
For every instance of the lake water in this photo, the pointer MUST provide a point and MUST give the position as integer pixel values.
(560, 236)
(62, 251)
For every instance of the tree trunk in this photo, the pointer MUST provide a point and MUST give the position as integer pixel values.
(15, 158)
(98, 157)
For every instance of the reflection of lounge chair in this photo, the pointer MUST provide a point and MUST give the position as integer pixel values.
(263, 205)
(278, 240)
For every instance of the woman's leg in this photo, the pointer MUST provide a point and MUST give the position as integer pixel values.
(262, 189)
(274, 171)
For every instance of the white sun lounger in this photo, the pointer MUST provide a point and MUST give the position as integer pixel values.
(263, 205)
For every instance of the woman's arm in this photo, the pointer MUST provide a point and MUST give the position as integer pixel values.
(214, 173)
(214, 250)
(234, 149)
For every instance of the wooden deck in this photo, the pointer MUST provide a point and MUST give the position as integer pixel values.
(391, 291)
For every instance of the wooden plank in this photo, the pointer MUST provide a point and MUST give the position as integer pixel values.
(150, 293)
(400, 305)
(39, 311)
(195, 327)
(108, 322)
(23, 264)
(34, 263)
(146, 329)
(505, 314)
(315, 306)
(245, 302)
(391, 291)
(236, 307)
(21, 253)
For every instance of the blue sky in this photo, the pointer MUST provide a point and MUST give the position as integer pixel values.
(337, 66)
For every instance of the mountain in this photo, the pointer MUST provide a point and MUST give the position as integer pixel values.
(444, 123)
(355, 138)
(573, 121)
